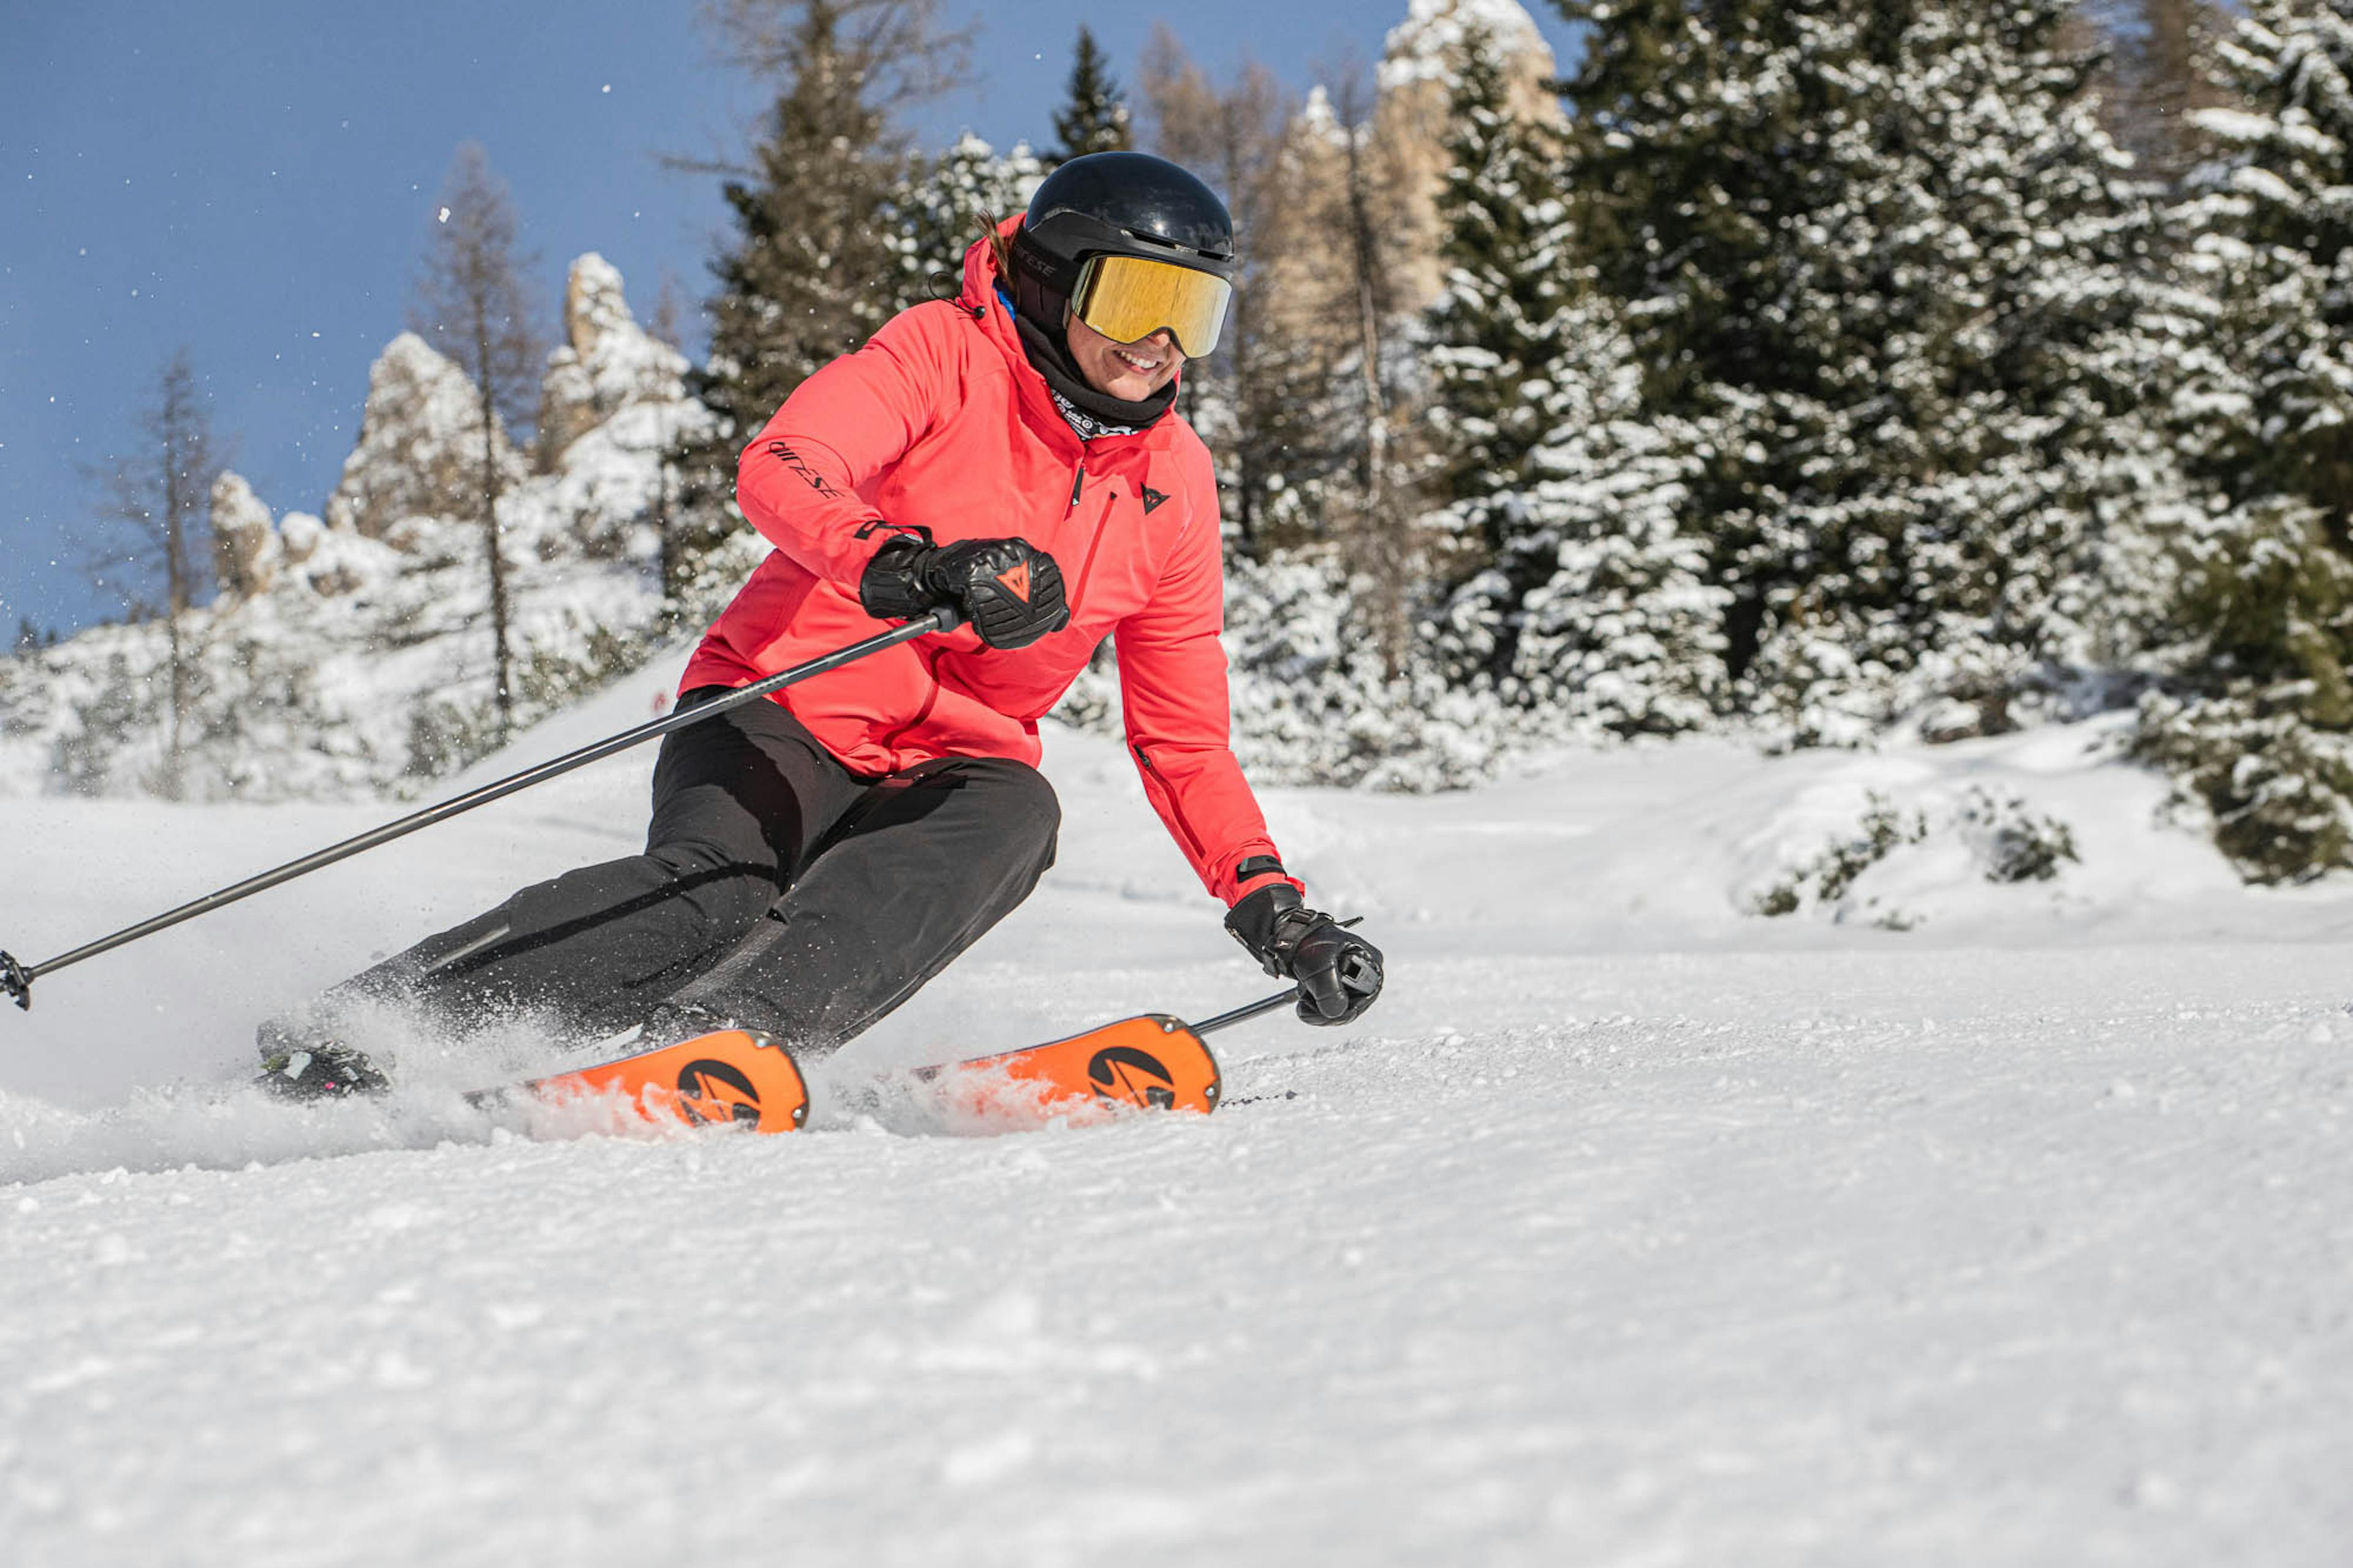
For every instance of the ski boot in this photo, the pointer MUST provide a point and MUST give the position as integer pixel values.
(306, 1064)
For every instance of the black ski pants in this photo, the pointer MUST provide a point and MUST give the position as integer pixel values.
(777, 891)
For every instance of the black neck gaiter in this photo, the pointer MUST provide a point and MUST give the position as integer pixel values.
(1051, 358)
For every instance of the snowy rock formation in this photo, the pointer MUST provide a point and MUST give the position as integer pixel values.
(419, 451)
(350, 653)
(608, 361)
(246, 556)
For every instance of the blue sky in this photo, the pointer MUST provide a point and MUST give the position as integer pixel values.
(253, 178)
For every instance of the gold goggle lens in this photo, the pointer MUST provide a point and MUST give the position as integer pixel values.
(1127, 298)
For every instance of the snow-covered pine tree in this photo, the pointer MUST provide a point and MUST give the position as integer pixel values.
(1094, 116)
(1577, 595)
(1495, 336)
(1880, 252)
(814, 266)
(2261, 727)
(944, 203)
(805, 281)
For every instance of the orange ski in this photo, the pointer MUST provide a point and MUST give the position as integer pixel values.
(745, 1078)
(1152, 1063)
(732, 1078)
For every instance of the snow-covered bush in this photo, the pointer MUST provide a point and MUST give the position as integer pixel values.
(2012, 842)
(1315, 701)
(1854, 876)
(1826, 879)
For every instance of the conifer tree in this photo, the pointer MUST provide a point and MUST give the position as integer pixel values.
(1883, 254)
(807, 278)
(1261, 402)
(1578, 595)
(2263, 610)
(2279, 229)
(1094, 116)
(1343, 293)
(945, 203)
(1496, 344)
(815, 264)
(1495, 336)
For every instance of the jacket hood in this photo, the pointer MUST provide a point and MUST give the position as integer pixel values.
(980, 273)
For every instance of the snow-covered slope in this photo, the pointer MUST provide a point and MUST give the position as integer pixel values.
(1631, 1227)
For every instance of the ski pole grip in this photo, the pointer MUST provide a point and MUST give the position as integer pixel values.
(17, 981)
(945, 618)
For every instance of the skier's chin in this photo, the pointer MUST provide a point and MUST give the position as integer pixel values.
(1134, 388)
(1108, 369)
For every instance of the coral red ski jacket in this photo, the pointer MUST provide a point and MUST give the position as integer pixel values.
(940, 422)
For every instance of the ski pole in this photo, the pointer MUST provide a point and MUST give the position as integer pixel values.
(1245, 1015)
(17, 979)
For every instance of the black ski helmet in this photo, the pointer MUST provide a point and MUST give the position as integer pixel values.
(1115, 204)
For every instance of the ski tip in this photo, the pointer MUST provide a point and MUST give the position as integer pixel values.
(1151, 1063)
(1173, 1069)
(17, 981)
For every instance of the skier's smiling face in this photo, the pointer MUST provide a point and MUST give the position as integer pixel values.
(1130, 372)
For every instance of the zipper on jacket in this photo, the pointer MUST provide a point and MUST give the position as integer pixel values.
(1087, 567)
(1078, 483)
(1175, 812)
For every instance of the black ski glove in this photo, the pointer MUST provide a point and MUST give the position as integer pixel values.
(1339, 973)
(1009, 590)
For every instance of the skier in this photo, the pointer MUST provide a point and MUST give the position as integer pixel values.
(815, 858)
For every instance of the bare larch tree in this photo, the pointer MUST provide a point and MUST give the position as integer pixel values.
(1233, 137)
(472, 304)
(155, 555)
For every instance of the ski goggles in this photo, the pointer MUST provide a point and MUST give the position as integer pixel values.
(1129, 298)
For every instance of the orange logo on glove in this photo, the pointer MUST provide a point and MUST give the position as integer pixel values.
(1018, 581)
